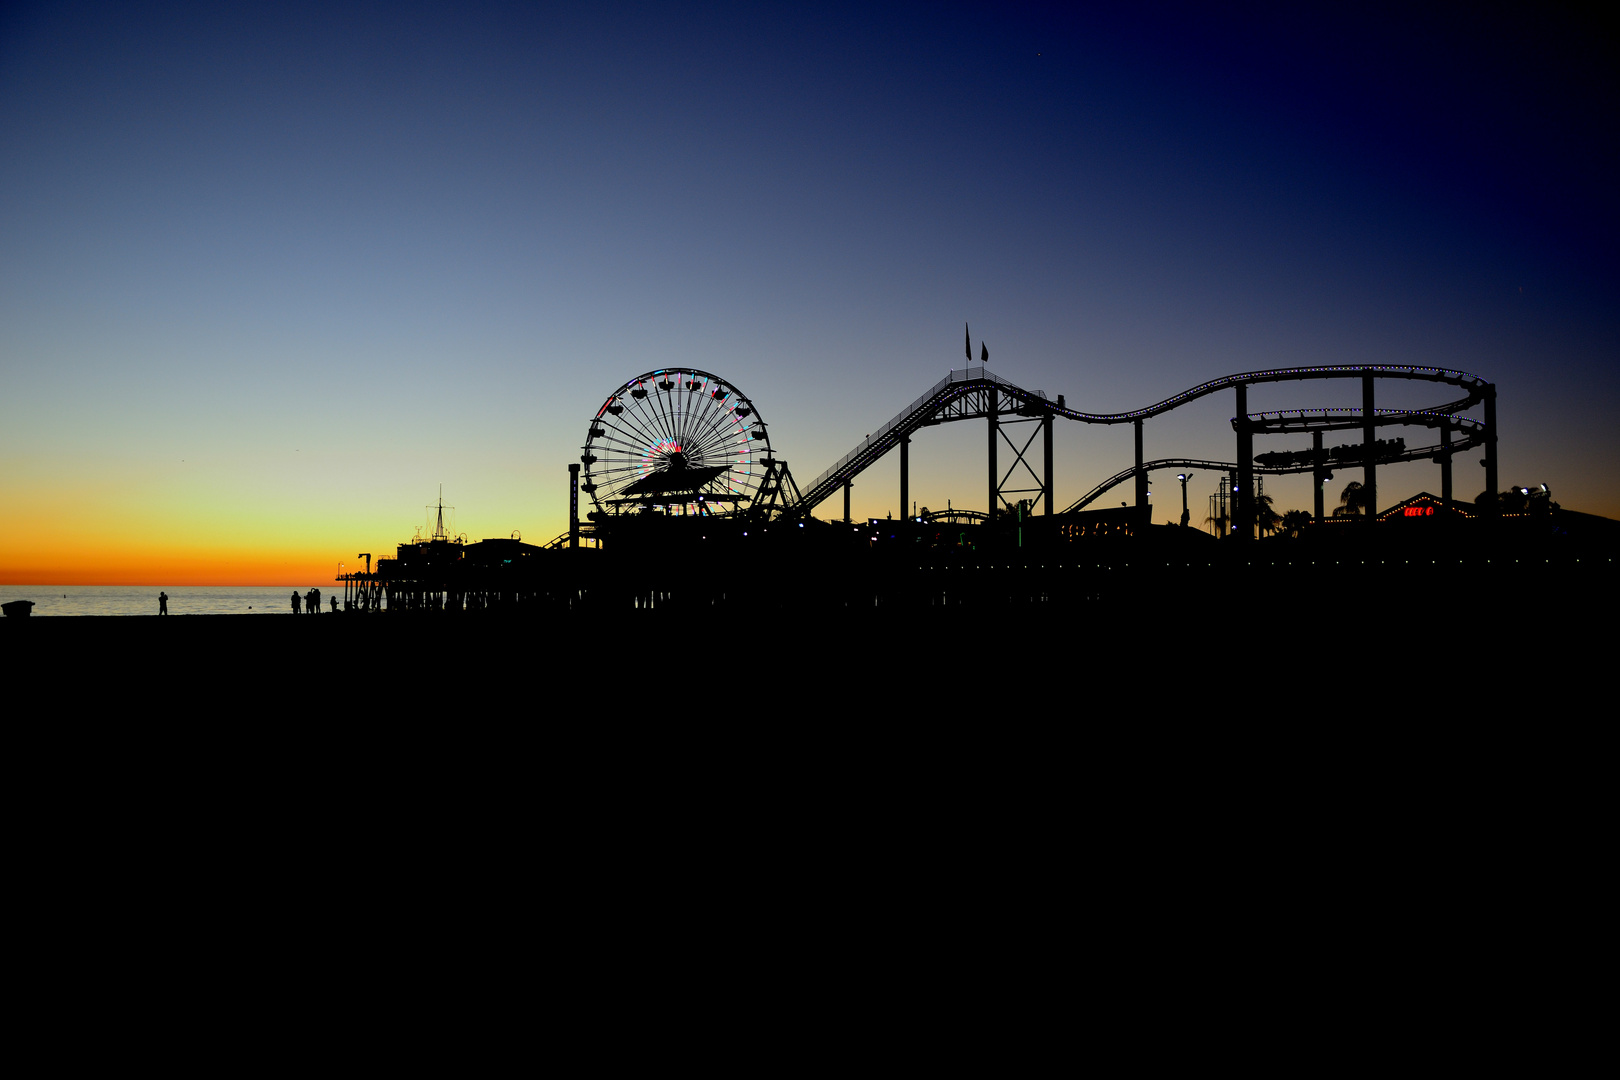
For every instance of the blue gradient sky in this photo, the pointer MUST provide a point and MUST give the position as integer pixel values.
(270, 275)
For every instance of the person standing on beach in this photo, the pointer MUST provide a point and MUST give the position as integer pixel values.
(334, 603)
(295, 602)
(163, 603)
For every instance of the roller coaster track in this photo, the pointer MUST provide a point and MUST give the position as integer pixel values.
(1195, 464)
(1340, 419)
(1473, 433)
(1186, 464)
(1472, 383)
(953, 398)
(929, 409)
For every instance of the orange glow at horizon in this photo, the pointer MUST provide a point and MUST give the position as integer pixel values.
(54, 551)
(100, 566)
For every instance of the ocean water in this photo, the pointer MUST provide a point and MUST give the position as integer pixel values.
(183, 599)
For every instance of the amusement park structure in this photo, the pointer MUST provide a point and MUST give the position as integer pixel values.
(976, 393)
(687, 440)
(690, 505)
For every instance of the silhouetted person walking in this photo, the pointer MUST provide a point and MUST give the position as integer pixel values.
(163, 603)
(295, 603)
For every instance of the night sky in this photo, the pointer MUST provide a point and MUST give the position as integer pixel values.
(271, 275)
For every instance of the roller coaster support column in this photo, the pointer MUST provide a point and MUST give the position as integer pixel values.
(1445, 464)
(1141, 477)
(1369, 442)
(993, 398)
(573, 506)
(1490, 449)
(1243, 511)
(1046, 422)
(905, 478)
(1317, 460)
(847, 486)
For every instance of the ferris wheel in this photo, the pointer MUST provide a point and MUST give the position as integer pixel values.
(678, 438)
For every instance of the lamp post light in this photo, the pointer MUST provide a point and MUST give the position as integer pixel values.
(1186, 515)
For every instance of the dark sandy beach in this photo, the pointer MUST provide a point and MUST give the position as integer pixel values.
(1341, 656)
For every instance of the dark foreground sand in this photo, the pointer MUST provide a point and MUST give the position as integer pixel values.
(1047, 758)
(1347, 657)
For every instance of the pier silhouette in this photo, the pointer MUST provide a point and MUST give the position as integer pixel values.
(692, 511)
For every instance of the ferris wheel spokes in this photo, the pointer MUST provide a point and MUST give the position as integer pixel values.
(673, 437)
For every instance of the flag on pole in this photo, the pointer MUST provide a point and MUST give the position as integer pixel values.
(967, 345)
(984, 353)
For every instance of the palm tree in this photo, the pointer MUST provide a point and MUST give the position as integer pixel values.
(1294, 521)
(1265, 518)
(1351, 501)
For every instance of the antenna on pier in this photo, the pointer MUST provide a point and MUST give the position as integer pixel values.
(439, 531)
